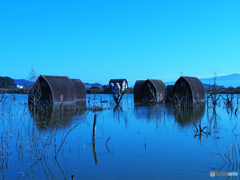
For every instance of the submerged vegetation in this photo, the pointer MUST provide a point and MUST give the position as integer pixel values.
(40, 137)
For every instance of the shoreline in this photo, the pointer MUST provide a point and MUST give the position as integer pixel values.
(103, 91)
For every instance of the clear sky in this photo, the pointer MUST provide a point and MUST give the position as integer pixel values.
(98, 40)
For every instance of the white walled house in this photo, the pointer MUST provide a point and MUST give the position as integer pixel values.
(118, 85)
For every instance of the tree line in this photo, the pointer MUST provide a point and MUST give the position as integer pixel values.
(7, 82)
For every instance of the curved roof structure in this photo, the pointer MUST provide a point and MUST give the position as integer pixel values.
(142, 91)
(61, 85)
(159, 85)
(57, 89)
(169, 93)
(137, 89)
(80, 89)
(197, 88)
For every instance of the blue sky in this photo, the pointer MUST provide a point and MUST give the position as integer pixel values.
(99, 40)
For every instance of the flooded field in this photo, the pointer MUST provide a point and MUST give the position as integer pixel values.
(132, 141)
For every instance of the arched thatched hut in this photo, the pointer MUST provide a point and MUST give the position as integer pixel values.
(150, 90)
(190, 89)
(57, 89)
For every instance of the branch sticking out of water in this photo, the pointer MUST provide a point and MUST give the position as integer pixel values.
(67, 135)
(107, 146)
(94, 126)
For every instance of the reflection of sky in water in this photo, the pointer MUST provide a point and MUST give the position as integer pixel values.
(171, 150)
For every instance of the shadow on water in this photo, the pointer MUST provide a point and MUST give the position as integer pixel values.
(183, 115)
(148, 111)
(48, 116)
(187, 114)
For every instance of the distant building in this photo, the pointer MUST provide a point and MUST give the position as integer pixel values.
(19, 87)
(151, 90)
(118, 85)
(189, 88)
(57, 89)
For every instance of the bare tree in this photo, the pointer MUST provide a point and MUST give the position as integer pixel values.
(34, 94)
(32, 77)
(213, 91)
(180, 98)
(117, 98)
(152, 93)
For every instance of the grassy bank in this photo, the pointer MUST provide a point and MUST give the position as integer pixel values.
(13, 91)
(97, 90)
(225, 91)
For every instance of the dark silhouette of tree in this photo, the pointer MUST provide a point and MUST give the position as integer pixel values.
(7, 82)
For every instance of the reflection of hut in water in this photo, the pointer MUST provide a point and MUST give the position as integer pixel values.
(57, 89)
(169, 93)
(189, 88)
(188, 114)
(116, 85)
(149, 112)
(46, 116)
(151, 90)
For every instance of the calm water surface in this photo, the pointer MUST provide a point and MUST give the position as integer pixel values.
(133, 141)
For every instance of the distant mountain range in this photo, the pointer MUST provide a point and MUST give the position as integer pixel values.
(232, 80)
(22, 82)
(89, 85)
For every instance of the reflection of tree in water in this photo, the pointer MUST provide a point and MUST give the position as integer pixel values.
(150, 112)
(51, 118)
(47, 116)
(119, 113)
(187, 114)
(184, 115)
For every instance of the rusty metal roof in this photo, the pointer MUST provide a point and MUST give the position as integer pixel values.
(195, 85)
(137, 89)
(169, 93)
(159, 86)
(61, 85)
(80, 89)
